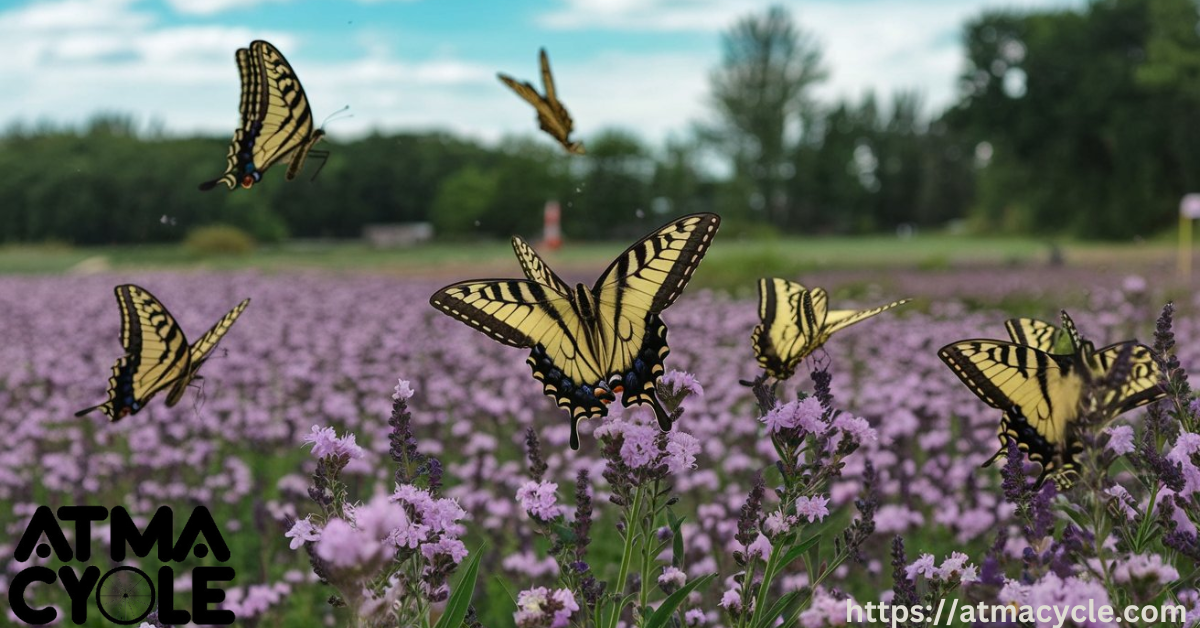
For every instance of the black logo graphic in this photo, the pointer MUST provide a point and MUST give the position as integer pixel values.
(124, 595)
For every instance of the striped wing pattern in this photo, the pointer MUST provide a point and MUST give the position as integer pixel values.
(536, 269)
(552, 115)
(778, 340)
(1035, 333)
(276, 118)
(200, 350)
(796, 322)
(156, 354)
(587, 345)
(1040, 394)
(1040, 386)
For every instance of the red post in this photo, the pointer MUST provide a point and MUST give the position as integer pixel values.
(552, 226)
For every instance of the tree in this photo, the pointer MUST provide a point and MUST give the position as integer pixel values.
(761, 91)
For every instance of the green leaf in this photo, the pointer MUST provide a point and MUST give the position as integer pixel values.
(780, 605)
(677, 550)
(797, 551)
(667, 608)
(460, 599)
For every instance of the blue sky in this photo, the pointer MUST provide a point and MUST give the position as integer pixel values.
(417, 64)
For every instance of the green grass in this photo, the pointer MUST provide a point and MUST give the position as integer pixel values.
(731, 262)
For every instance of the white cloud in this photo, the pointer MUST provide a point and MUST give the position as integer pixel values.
(212, 7)
(68, 59)
(880, 45)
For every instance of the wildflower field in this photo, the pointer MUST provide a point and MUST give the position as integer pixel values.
(365, 456)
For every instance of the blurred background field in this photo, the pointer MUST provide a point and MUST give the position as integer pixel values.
(987, 159)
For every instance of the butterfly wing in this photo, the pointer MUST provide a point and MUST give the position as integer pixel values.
(200, 350)
(536, 269)
(156, 354)
(1039, 392)
(779, 341)
(276, 118)
(841, 319)
(552, 115)
(640, 283)
(1142, 386)
(527, 314)
(1035, 333)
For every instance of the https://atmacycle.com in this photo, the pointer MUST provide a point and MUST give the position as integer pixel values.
(956, 614)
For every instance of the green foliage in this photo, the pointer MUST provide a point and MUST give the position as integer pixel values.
(463, 200)
(1091, 116)
(218, 240)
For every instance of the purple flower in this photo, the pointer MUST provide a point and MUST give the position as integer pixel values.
(922, 567)
(804, 414)
(1120, 439)
(539, 499)
(956, 567)
(681, 384)
(731, 600)
(326, 443)
(813, 508)
(639, 447)
(856, 429)
(671, 579)
(778, 523)
(681, 452)
(760, 548)
(302, 532)
(404, 391)
(540, 607)
(695, 617)
(451, 547)
(1123, 500)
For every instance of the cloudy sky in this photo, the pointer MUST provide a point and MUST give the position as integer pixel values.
(411, 64)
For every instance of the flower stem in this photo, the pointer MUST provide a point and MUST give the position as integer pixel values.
(626, 558)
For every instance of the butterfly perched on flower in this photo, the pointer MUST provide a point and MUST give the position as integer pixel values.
(276, 120)
(157, 354)
(1040, 379)
(796, 322)
(589, 344)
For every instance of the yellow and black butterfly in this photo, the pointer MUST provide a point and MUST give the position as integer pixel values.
(797, 321)
(587, 345)
(157, 353)
(552, 115)
(276, 120)
(1039, 381)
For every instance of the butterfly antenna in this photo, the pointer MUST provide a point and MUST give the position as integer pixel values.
(334, 116)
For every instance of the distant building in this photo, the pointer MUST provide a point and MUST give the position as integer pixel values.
(398, 235)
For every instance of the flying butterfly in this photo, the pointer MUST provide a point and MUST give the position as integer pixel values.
(1039, 380)
(551, 113)
(276, 120)
(797, 321)
(588, 344)
(157, 355)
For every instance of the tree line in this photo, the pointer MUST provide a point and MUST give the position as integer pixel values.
(1068, 122)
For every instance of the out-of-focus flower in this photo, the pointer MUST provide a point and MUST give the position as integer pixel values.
(539, 499)
(671, 579)
(539, 607)
(1120, 439)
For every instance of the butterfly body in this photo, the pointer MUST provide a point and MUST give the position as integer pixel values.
(276, 119)
(796, 322)
(589, 344)
(1040, 381)
(158, 356)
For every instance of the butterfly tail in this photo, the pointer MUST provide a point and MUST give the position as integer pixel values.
(87, 411)
(664, 418)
